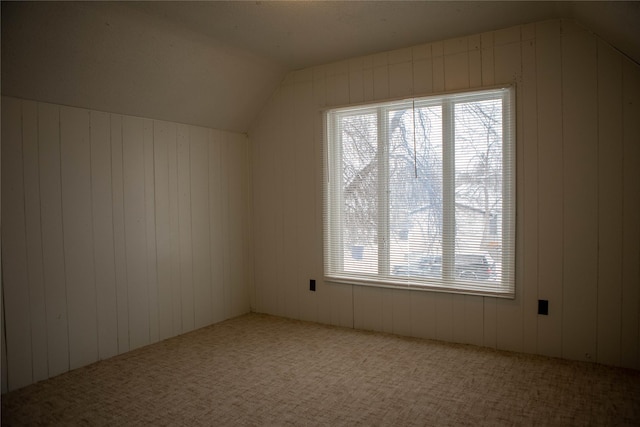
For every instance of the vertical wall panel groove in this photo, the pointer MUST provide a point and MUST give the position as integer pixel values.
(174, 228)
(277, 239)
(227, 258)
(580, 133)
(288, 182)
(150, 229)
(14, 250)
(319, 100)
(52, 238)
(162, 133)
(103, 250)
(75, 157)
(237, 193)
(530, 185)
(119, 245)
(184, 229)
(216, 242)
(37, 303)
(200, 221)
(304, 209)
(135, 230)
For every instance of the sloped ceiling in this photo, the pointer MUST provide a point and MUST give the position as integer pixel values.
(215, 63)
(110, 57)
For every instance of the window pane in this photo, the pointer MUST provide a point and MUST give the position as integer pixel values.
(359, 134)
(415, 191)
(478, 190)
(419, 193)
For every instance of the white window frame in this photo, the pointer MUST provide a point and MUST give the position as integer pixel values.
(333, 238)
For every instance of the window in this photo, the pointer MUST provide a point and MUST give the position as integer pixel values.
(419, 193)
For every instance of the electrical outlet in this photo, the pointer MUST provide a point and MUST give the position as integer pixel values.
(312, 285)
(543, 307)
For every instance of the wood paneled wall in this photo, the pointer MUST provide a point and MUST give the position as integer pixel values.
(117, 232)
(578, 194)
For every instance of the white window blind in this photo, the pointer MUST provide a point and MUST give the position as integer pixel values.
(419, 193)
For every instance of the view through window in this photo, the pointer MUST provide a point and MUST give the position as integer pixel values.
(420, 193)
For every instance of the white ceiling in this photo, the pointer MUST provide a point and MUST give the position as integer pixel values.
(299, 34)
(215, 63)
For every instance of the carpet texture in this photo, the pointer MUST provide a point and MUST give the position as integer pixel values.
(264, 370)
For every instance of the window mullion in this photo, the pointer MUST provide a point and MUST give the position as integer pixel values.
(448, 196)
(383, 193)
(337, 214)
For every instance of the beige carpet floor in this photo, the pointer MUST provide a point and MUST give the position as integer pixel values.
(264, 370)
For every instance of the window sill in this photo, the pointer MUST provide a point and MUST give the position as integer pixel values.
(460, 288)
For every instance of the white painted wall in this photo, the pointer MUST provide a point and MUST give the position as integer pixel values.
(118, 232)
(578, 194)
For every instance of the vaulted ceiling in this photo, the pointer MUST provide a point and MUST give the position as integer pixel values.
(299, 34)
(215, 63)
